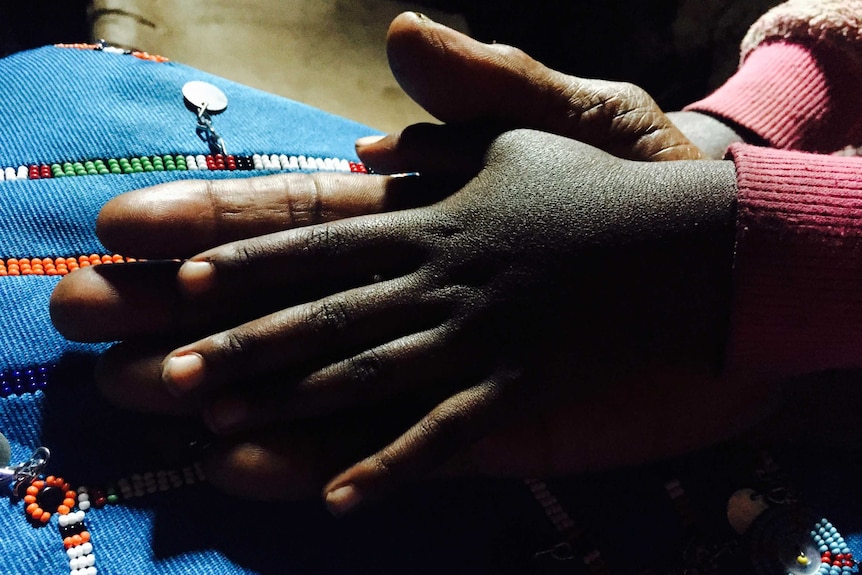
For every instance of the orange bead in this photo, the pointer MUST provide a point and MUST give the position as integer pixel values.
(14, 273)
(78, 539)
(130, 260)
(70, 493)
(106, 259)
(29, 499)
(45, 517)
(40, 483)
(49, 480)
(70, 261)
(12, 261)
(47, 261)
(69, 502)
(63, 509)
(84, 264)
(31, 508)
(23, 261)
(85, 536)
(37, 513)
(67, 543)
(117, 258)
(4, 273)
(94, 258)
(32, 490)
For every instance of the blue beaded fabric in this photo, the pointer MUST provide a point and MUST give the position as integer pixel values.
(62, 105)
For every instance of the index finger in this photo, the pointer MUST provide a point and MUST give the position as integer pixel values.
(180, 219)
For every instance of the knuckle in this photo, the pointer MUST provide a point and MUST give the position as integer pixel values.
(303, 200)
(365, 368)
(322, 241)
(331, 315)
(230, 344)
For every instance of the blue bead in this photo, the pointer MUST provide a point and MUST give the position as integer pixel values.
(823, 549)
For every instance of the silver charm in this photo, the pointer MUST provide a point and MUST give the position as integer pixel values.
(205, 100)
(22, 475)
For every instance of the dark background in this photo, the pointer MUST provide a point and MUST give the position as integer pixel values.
(646, 42)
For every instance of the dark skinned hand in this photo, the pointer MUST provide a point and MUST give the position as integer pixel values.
(483, 312)
(543, 279)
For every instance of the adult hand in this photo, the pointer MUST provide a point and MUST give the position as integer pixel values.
(460, 80)
(543, 277)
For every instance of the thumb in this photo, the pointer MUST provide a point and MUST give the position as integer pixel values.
(459, 79)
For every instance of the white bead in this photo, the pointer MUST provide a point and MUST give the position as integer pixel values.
(201, 161)
(90, 571)
(64, 521)
(75, 564)
(84, 505)
(89, 560)
(72, 552)
(83, 497)
(319, 163)
(82, 490)
(10, 174)
(294, 163)
(23, 172)
(86, 548)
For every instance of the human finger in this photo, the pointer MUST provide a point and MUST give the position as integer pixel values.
(179, 219)
(141, 299)
(318, 332)
(411, 365)
(458, 79)
(454, 150)
(456, 422)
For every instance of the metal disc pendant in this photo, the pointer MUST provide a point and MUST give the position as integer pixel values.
(204, 96)
(5, 451)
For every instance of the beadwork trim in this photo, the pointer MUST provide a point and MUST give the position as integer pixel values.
(56, 266)
(179, 163)
(73, 505)
(105, 47)
(24, 381)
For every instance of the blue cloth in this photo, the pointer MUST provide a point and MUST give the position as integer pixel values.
(70, 105)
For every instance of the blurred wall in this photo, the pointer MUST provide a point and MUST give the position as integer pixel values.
(326, 53)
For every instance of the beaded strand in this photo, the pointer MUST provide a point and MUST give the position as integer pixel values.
(56, 266)
(23, 381)
(44, 494)
(179, 163)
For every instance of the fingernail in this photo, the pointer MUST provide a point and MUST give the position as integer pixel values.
(341, 500)
(182, 373)
(196, 277)
(367, 141)
(225, 415)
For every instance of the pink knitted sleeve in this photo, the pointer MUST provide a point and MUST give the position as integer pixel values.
(798, 265)
(800, 78)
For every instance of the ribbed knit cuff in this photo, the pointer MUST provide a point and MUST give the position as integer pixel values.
(793, 96)
(797, 295)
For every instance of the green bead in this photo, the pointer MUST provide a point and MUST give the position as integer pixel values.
(113, 499)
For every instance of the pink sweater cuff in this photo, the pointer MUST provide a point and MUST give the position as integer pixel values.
(797, 300)
(793, 96)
